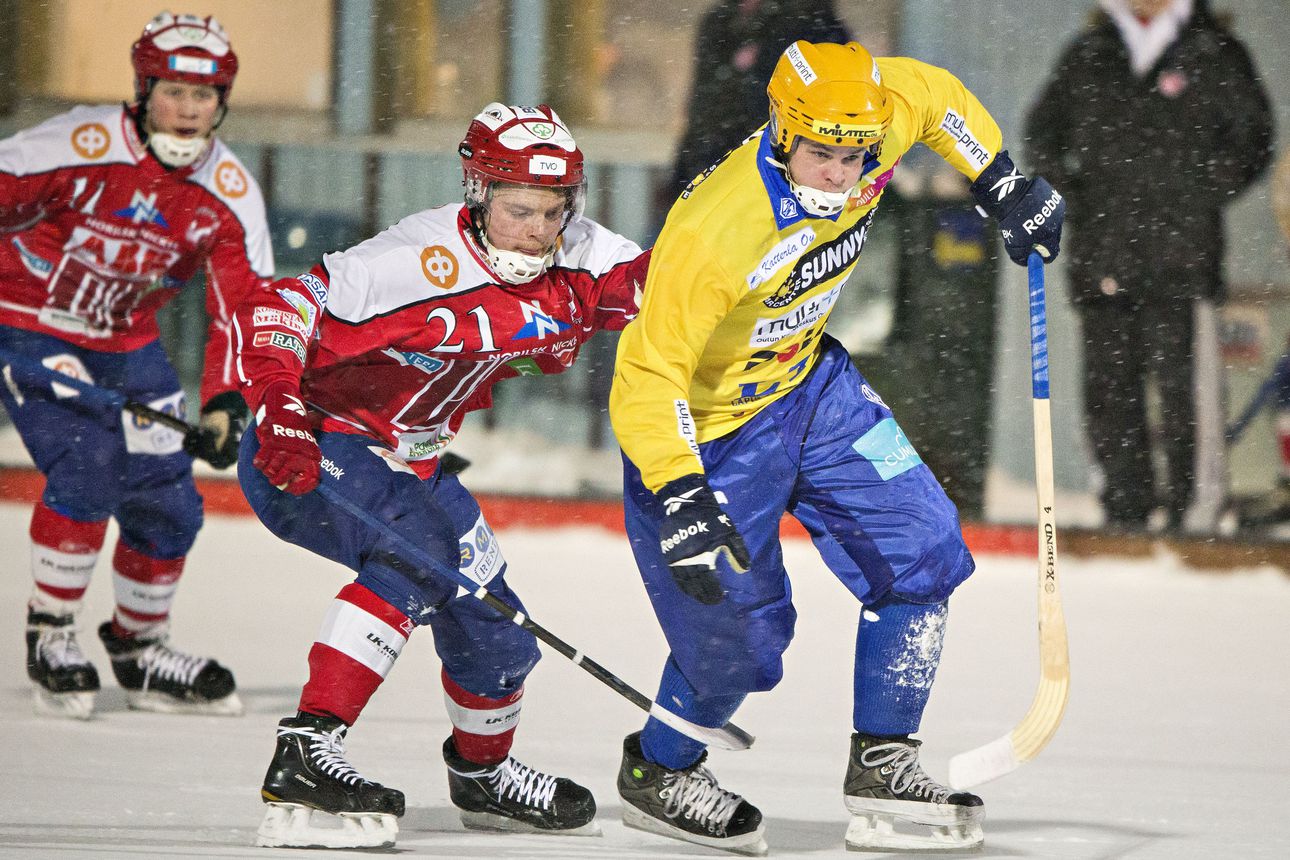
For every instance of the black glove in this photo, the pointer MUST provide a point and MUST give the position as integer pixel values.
(216, 438)
(694, 533)
(1029, 211)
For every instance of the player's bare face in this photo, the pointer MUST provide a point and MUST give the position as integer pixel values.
(525, 219)
(824, 167)
(184, 110)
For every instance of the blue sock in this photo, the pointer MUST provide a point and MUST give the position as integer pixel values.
(668, 747)
(898, 648)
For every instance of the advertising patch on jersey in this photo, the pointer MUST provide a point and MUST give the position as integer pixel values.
(143, 210)
(685, 425)
(274, 316)
(301, 306)
(538, 323)
(425, 363)
(439, 267)
(145, 436)
(887, 448)
(481, 555)
(822, 263)
(394, 461)
(787, 208)
(772, 330)
(871, 189)
(784, 252)
(965, 141)
(526, 366)
(316, 287)
(68, 365)
(424, 444)
(280, 340)
(91, 140)
(230, 180)
(34, 263)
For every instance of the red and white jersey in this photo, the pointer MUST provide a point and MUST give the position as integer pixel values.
(96, 235)
(402, 335)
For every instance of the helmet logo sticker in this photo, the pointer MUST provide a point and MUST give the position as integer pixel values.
(542, 130)
(546, 165)
(803, 68)
(91, 140)
(439, 267)
(845, 130)
(195, 65)
(230, 180)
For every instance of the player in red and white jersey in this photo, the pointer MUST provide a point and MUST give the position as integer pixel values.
(105, 213)
(359, 373)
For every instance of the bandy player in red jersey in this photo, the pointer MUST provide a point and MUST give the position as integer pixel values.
(359, 373)
(105, 213)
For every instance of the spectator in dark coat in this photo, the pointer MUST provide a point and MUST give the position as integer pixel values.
(1153, 121)
(735, 51)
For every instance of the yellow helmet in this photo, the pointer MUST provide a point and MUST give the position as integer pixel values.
(828, 93)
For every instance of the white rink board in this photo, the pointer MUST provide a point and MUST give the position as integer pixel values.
(1174, 744)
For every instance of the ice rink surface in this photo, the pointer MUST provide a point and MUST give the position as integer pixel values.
(1174, 744)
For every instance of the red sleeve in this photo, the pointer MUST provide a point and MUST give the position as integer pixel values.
(616, 296)
(230, 281)
(271, 331)
(26, 198)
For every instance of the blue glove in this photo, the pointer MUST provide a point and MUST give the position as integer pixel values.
(1029, 211)
(695, 532)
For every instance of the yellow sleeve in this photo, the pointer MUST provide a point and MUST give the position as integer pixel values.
(687, 294)
(945, 115)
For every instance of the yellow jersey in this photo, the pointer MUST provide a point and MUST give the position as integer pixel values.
(742, 280)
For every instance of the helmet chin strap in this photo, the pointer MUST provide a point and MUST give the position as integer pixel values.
(514, 267)
(814, 200)
(175, 151)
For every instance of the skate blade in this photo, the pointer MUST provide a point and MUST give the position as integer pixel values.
(876, 832)
(290, 825)
(76, 705)
(502, 824)
(160, 703)
(748, 844)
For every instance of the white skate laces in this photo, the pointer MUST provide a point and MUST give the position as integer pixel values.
(900, 762)
(58, 647)
(160, 662)
(522, 783)
(696, 796)
(327, 752)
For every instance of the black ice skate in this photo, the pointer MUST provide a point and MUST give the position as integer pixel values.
(65, 681)
(885, 785)
(315, 797)
(514, 797)
(686, 804)
(158, 678)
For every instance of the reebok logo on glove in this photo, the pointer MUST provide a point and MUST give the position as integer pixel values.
(1030, 212)
(667, 544)
(1049, 207)
(694, 534)
(279, 430)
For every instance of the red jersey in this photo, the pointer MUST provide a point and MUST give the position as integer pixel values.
(402, 335)
(96, 235)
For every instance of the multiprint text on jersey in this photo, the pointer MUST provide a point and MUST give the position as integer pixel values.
(769, 331)
(823, 263)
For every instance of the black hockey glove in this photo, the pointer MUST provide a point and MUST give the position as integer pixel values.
(1029, 211)
(216, 438)
(694, 534)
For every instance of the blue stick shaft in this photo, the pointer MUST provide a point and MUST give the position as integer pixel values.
(1038, 328)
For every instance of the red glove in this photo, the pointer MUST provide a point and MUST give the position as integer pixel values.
(289, 455)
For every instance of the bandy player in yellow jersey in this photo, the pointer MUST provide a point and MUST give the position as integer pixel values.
(733, 407)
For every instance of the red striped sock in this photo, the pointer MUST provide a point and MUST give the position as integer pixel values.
(63, 554)
(361, 637)
(145, 590)
(482, 728)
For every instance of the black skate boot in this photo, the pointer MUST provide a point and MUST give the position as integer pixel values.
(158, 678)
(315, 797)
(885, 786)
(514, 797)
(65, 680)
(686, 804)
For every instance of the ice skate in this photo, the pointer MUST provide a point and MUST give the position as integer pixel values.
(513, 797)
(65, 681)
(158, 678)
(686, 804)
(315, 797)
(886, 786)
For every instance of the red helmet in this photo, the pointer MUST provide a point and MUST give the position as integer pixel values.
(522, 145)
(185, 48)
